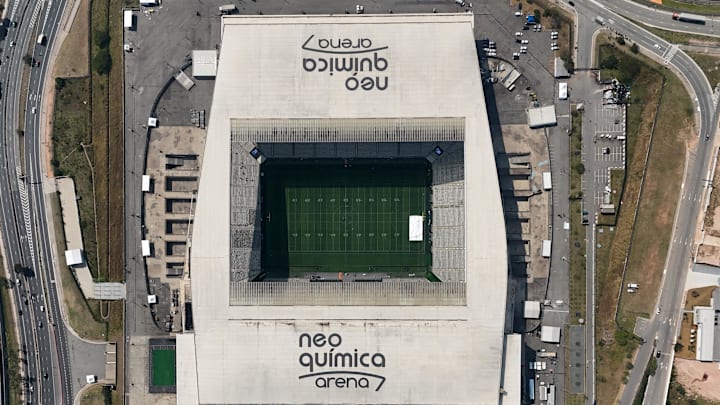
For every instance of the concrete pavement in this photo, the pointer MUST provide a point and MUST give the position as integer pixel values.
(74, 240)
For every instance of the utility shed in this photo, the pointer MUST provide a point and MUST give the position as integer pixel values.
(184, 80)
(532, 310)
(542, 117)
(204, 63)
(550, 334)
(73, 257)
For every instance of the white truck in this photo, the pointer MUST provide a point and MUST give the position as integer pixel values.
(228, 9)
(600, 20)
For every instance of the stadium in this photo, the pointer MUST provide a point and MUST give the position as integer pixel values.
(349, 243)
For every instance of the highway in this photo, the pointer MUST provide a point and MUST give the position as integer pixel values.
(664, 324)
(22, 204)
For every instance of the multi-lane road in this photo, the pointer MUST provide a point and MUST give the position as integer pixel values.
(23, 219)
(664, 324)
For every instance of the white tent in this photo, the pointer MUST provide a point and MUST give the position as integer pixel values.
(550, 334)
(532, 310)
(73, 257)
(416, 228)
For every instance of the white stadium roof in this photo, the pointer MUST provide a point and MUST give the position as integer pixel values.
(273, 68)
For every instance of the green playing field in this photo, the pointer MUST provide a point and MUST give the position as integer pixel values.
(163, 367)
(336, 216)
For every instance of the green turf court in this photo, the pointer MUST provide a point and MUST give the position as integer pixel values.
(343, 216)
(163, 367)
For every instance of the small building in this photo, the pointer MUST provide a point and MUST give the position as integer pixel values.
(607, 209)
(542, 116)
(149, 3)
(152, 122)
(152, 299)
(550, 334)
(184, 80)
(145, 245)
(705, 319)
(146, 183)
(532, 310)
(204, 63)
(128, 19)
(546, 248)
(90, 379)
(73, 257)
(547, 181)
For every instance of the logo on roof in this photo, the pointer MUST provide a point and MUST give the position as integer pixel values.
(329, 366)
(357, 60)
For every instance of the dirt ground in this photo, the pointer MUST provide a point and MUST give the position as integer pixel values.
(73, 58)
(521, 139)
(702, 379)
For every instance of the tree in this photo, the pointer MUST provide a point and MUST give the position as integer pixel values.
(609, 62)
(60, 83)
(102, 38)
(20, 132)
(537, 15)
(635, 48)
(102, 62)
(621, 40)
(28, 60)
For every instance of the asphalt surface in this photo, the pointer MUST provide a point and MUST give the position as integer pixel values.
(22, 206)
(664, 324)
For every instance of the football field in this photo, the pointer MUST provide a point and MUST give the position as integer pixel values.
(163, 367)
(336, 216)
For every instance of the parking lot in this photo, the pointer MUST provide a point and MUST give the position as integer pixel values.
(608, 149)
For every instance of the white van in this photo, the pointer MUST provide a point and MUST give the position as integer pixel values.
(41, 39)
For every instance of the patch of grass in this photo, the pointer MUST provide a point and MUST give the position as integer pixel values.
(358, 224)
(710, 65)
(714, 199)
(95, 395)
(699, 297)
(99, 19)
(660, 196)
(613, 242)
(107, 125)
(649, 371)
(577, 230)
(13, 346)
(163, 367)
(114, 172)
(77, 309)
(71, 130)
(73, 58)
(575, 399)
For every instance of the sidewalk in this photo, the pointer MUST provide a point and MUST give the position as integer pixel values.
(73, 238)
